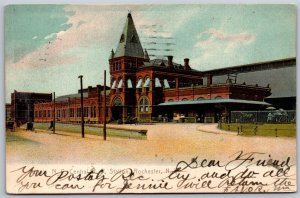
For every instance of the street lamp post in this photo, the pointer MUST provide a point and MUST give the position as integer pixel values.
(104, 122)
(53, 112)
(81, 100)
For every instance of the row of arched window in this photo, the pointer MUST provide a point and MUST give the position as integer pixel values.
(141, 82)
(143, 104)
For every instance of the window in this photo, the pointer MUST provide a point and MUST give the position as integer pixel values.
(117, 102)
(144, 105)
(147, 82)
(120, 85)
(185, 99)
(139, 84)
(133, 39)
(85, 112)
(62, 113)
(129, 83)
(71, 112)
(122, 39)
(114, 83)
(94, 109)
(93, 112)
(58, 113)
(78, 112)
(170, 100)
(49, 114)
(218, 97)
(166, 84)
(157, 82)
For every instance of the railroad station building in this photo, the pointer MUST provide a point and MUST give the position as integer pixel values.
(157, 89)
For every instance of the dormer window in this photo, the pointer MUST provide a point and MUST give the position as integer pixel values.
(133, 39)
(122, 39)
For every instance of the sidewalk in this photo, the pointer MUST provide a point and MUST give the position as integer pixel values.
(213, 128)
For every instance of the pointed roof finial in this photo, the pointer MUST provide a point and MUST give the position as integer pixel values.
(129, 43)
(146, 56)
(112, 54)
(129, 13)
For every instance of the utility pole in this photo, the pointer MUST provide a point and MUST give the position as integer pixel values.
(53, 112)
(28, 120)
(81, 100)
(104, 123)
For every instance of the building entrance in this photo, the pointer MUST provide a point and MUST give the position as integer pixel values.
(117, 109)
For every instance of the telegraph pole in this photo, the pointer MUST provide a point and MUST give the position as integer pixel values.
(53, 112)
(104, 123)
(81, 100)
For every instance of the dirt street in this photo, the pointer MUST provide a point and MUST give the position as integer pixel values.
(166, 143)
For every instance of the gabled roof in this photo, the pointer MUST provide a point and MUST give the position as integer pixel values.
(129, 43)
(164, 64)
(161, 63)
(76, 95)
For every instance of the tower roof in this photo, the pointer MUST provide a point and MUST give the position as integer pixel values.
(146, 56)
(129, 43)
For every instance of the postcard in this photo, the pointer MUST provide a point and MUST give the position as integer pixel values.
(195, 98)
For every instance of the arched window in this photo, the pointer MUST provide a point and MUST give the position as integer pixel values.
(139, 83)
(117, 102)
(170, 100)
(147, 82)
(200, 98)
(184, 99)
(113, 83)
(144, 105)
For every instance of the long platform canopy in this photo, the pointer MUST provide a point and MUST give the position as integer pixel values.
(214, 101)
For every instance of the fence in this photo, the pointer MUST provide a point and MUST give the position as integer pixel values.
(273, 116)
(275, 130)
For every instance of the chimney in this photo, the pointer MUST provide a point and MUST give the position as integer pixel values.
(186, 64)
(170, 61)
(98, 88)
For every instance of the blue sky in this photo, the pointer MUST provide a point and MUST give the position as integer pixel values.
(48, 46)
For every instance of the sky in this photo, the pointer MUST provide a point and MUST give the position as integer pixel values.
(48, 46)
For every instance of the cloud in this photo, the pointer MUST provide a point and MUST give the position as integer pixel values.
(217, 46)
(35, 37)
(88, 27)
(50, 36)
(213, 38)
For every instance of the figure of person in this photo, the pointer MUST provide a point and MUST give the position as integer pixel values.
(51, 126)
(270, 117)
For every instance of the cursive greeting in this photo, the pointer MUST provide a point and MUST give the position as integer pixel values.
(242, 172)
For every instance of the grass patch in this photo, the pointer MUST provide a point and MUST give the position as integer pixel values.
(275, 130)
(12, 137)
(92, 130)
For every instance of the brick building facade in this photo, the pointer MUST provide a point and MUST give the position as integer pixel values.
(148, 89)
(22, 105)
